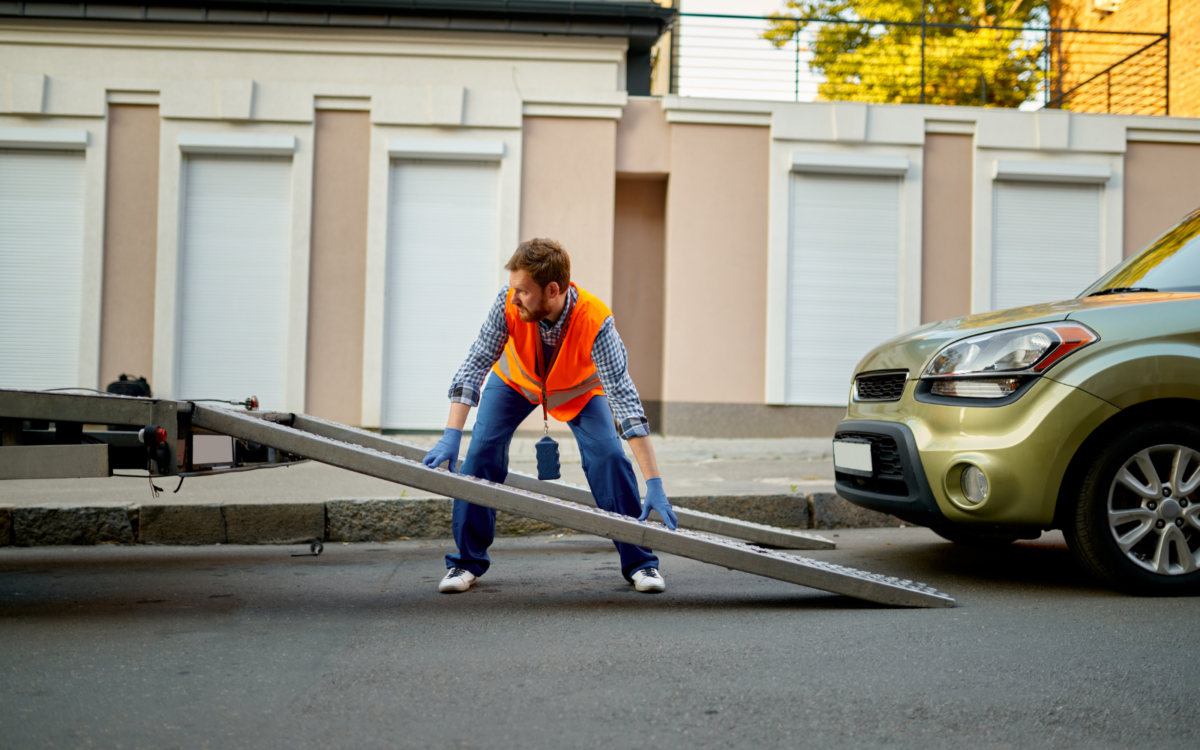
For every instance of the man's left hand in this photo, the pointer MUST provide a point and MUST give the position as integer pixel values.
(656, 500)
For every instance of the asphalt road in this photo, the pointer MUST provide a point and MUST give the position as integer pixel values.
(193, 647)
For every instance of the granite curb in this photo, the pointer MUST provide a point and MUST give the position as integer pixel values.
(364, 520)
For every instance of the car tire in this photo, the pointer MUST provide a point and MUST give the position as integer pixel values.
(1136, 517)
(967, 539)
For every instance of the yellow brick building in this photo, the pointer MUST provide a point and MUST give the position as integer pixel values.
(1135, 87)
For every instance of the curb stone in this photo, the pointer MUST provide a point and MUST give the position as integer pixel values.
(181, 524)
(273, 523)
(384, 519)
(787, 511)
(367, 520)
(830, 511)
(38, 526)
(6, 530)
(381, 519)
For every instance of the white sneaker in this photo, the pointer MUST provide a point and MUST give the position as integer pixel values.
(456, 580)
(649, 581)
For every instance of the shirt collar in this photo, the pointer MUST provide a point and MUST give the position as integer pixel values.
(557, 327)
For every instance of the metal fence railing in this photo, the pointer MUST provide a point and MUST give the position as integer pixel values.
(780, 58)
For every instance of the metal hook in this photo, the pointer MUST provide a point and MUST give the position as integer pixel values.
(315, 548)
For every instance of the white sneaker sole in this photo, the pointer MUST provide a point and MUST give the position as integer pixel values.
(454, 586)
(651, 586)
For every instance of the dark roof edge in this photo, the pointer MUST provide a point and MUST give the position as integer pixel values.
(603, 17)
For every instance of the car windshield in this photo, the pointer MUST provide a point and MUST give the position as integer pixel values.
(1170, 264)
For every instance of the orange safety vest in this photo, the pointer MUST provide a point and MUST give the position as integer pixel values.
(573, 380)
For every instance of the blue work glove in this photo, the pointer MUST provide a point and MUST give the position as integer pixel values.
(445, 450)
(656, 500)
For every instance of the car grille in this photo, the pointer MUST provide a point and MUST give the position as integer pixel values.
(887, 461)
(884, 386)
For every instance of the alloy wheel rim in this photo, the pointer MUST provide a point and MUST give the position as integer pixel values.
(1154, 511)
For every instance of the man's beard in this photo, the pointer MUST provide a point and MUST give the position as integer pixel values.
(535, 316)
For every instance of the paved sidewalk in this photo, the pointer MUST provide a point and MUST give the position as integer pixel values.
(690, 467)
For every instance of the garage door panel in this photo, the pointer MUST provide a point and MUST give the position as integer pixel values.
(1047, 241)
(442, 257)
(41, 268)
(236, 236)
(843, 280)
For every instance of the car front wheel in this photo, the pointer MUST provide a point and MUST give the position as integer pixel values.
(1137, 515)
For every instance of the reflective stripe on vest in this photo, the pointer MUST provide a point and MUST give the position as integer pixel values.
(572, 380)
(555, 399)
(506, 373)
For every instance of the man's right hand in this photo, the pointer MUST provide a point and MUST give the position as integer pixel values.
(445, 450)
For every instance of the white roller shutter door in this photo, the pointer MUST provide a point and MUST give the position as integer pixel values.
(41, 268)
(843, 280)
(233, 278)
(1046, 241)
(442, 256)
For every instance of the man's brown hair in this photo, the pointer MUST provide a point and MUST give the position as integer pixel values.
(544, 260)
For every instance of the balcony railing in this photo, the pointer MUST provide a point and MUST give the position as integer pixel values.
(804, 60)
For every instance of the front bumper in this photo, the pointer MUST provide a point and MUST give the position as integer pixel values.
(1024, 448)
(905, 493)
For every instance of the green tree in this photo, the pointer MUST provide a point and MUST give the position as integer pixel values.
(882, 64)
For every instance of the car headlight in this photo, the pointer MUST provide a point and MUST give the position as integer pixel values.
(993, 365)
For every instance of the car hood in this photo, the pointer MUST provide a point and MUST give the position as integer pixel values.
(912, 350)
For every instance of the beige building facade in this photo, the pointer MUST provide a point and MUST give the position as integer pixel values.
(769, 203)
(320, 217)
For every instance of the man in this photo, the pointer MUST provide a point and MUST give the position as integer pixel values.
(550, 345)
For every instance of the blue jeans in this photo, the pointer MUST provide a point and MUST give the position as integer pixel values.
(609, 473)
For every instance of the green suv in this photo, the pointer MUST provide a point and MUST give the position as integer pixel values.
(1081, 415)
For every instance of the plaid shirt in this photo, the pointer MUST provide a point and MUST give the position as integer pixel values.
(608, 352)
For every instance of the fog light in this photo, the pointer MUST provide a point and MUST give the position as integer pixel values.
(974, 485)
(979, 388)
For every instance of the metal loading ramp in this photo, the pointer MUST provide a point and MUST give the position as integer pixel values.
(768, 536)
(281, 435)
